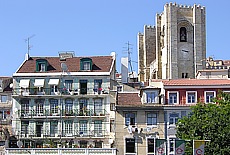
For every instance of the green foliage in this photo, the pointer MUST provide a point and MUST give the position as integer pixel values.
(208, 122)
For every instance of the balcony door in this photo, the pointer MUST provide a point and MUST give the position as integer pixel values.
(39, 128)
(83, 86)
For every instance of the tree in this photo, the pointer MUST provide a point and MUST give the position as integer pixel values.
(208, 122)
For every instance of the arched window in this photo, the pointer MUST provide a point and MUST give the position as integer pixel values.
(183, 34)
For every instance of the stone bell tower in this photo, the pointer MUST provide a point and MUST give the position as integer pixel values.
(180, 44)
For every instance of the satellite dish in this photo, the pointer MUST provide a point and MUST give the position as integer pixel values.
(64, 67)
(19, 144)
(11, 85)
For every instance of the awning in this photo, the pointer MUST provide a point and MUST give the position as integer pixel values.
(53, 82)
(24, 83)
(39, 82)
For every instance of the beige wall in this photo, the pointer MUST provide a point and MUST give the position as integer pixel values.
(121, 131)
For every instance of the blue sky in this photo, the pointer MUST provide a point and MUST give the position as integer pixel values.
(93, 27)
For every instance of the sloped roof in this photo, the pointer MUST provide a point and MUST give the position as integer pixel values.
(194, 82)
(129, 98)
(100, 64)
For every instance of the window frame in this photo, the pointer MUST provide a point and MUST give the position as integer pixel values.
(205, 95)
(41, 65)
(40, 106)
(98, 127)
(135, 149)
(69, 85)
(68, 106)
(183, 29)
(175, 119)
(54, 109)
(147, 146)
(86, 64)
(83, 126)
(152, 117)
(187, 97)
(177, 97)
(4, 97)
(128, 118)
(68, 127)
(98, 106)
(150, 96)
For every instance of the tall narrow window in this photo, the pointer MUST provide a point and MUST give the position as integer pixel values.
(39, 107)
(97, 128)
(183, 34)
(83, 107)
(83, 86)
(83, 128)
(151, 146)
(54, 106)
(68, 106)
(25, 106)
(68, 128)
(130, 145)
(24, 127)
(98, 106)
(53, 128)
(97, 85)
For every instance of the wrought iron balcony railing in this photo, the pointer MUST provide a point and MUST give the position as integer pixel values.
(98, 133)
(59, 91)
(62, 113)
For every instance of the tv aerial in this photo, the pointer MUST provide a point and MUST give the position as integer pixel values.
(128, 50)
(28, 43)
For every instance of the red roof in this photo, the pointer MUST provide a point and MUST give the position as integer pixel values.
(100, 64)
(194, 82)
(129, 99)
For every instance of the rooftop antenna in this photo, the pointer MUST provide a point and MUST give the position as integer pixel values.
(129, 56)
(28, 44)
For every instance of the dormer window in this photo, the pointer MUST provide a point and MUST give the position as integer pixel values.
(41, 65)
(151, 96)
(86, 64)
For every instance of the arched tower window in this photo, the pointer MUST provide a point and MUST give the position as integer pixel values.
(183, 34)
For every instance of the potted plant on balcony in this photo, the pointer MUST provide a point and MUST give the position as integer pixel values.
(99, 90)
(90, 146)
(69, 112)
(76, 146)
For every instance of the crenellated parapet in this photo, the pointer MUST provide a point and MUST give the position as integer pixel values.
(181, 6)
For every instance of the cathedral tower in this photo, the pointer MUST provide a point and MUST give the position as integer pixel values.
(178, 49)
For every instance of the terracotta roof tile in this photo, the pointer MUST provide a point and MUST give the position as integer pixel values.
(100, 64)
(129, 99)
(194, 82)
